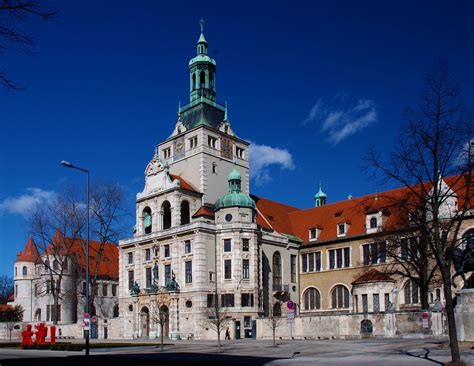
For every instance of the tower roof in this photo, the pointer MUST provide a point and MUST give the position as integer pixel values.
(234, 174)
(320, 193)
(202, 39)
(30, 253)
(235, 197)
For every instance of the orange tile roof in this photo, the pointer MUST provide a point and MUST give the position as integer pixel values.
(273, 215)
(183, 183)
(108, 265)
(30, 253)
(373, 276)
(5, 307)
(204, 211)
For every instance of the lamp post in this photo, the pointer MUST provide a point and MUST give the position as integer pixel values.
(86, 307)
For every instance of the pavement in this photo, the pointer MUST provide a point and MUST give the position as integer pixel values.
(250, 352)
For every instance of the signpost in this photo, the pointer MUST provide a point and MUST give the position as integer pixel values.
(290, 316)
(87, 322)
(424, 319)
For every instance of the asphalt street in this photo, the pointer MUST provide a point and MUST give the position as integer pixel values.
(249, 352)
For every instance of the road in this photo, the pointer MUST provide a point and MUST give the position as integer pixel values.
(249, 352)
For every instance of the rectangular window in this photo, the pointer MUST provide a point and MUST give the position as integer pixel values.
(227, 300)
(311, 262)
(304, 262)
(210, 300)
(318, 261)
(130, 279)
(245, 269)
(245, 245)
(293, 267)
(341, 229)
(227, 269)
(167, 251)
(247, 321)
(339, 258)
(374, 253)
(167, 153)
(386, 301)
(227, 245)
(105, 290)
(167, 272)
(312, 234)
(246, 300)
(365, 304)
(212, 276)
(130, 258)
(356, 303)
(114, 290)
(148, 277)
(147, 254)
(332, 259)
(193, 141)
(376, 300)
(189, 271)
(212, 142)
(187, 246)
(239, 152)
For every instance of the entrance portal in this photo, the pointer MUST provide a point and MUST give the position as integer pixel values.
(145, 322)
(165, 316)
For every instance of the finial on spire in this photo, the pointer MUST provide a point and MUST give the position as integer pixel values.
(201, 23)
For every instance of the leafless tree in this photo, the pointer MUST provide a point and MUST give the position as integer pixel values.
(6, 288)
(217, 318)
(435, 145)
(13, 14)
(274, 321)
(11, 317)
(160, 316)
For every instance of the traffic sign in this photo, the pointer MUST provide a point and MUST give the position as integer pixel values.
(87, 316)
(290, 304)
(87, 324)
(290, 316)
(94, 319)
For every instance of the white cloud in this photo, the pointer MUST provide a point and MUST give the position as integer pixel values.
(25, 204)
(262, 157)
(339, 120)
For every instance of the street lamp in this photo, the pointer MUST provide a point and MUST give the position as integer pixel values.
(86, 307)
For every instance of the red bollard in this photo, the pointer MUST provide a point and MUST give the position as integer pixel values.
(53, 334)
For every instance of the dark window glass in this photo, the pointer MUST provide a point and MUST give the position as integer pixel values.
(187, 246)
(167, 250)
(318, 261)
(347, 257)
(311, 262)
(332, 254)
(227, 245)
(130, 279)
(304, 260)
(293, 267)
(189, 271)
(245, 269)
(167, 272)
(228, 269)
(245, 245)
(148, 277)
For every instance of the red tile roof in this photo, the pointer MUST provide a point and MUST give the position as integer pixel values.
(108, 265)
(204, 211)
(4, 307)
(29, 254)
(183, 183)
(290, 220)
(373, 276)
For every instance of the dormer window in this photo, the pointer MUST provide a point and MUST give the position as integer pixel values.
(313, 234)
(341, 229)
(373, 221)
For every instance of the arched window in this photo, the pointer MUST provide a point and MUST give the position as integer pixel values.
(194, 82)
(25, 271)
(411, 293)
(373, 223)
(340, 297)
(116, 311)
(147, 223)
(185, 219)
(277, 309)
(202, 79)
(166, 208)
(55, 265)
(38, 315)
(312, 299)
(211, 80)
(276, 271)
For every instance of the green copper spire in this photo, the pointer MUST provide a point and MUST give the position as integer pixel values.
(320, 197)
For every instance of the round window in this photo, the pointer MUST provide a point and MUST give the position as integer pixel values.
(189, 303)
(228, 217)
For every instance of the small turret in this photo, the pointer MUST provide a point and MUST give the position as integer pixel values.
(320, 197)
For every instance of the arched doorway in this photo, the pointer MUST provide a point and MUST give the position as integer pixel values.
(145, 322)
(165, 316)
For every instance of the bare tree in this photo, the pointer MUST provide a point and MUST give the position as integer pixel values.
(10, 317)
(6, 288)
(160, 316)
(274, 321)
(14, 13)
(434, 148)
(217, 318)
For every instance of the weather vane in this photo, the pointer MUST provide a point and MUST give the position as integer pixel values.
(201, 23)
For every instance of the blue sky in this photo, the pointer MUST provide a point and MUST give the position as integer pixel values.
(312, 84)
